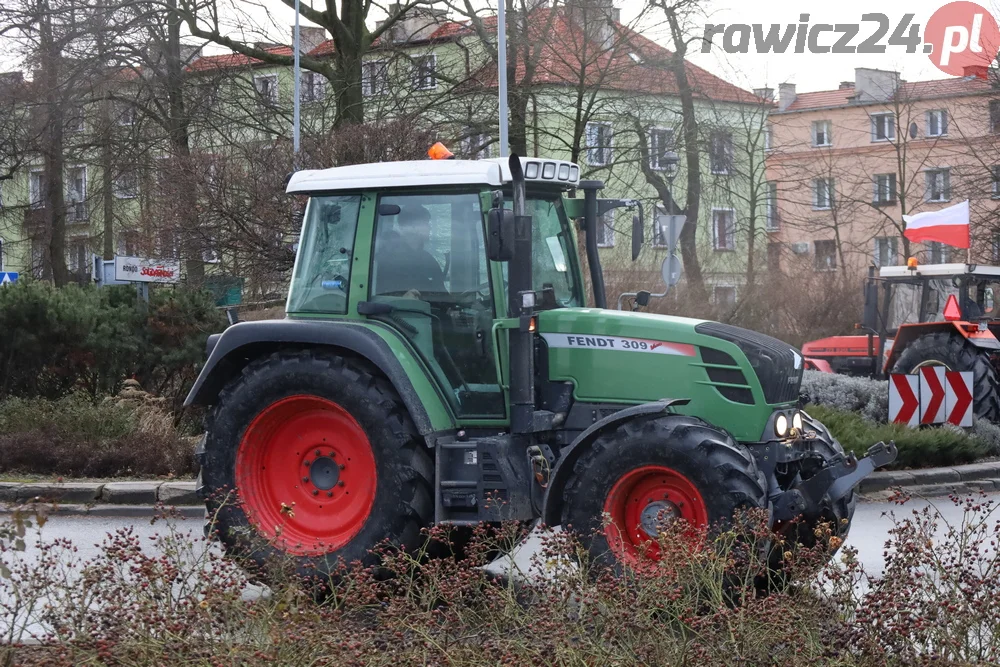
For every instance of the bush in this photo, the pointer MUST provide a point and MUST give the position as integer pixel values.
(918, 448)
(60, 340)
(864, 395)
(76, 436)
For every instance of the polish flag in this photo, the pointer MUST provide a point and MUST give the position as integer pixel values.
(948, 225)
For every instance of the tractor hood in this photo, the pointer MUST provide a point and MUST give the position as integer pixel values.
(734, 377)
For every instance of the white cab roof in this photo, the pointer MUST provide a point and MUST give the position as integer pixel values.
(939, 270)
(417, 173)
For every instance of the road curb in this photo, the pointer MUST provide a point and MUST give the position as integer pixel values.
(73, 509)
(967, 476)
(110, 492)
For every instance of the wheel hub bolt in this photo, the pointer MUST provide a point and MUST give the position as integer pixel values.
(306, 463)
(305, 479)
(340, 483)
(315, 492)
(342, 466)
(319, 453)
(329, 494)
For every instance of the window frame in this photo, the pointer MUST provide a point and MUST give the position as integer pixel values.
(373, 86)
(889, 125)
(606, 222)
(655, 154)
(833, 254)
(827, 133)
(877, 199)
(995, 181)
(270, 101)
(605, 148)
(945, 173)
(828, 206)
(715, 294)
(772, 216)
(39, 202)
(942, 116)
(892, 243)
(727, 151)
(731, 247)
(419, 78)
(121, 193)
(315, 91)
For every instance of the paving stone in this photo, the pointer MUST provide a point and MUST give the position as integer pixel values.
(10, 491)
(887, 479)
(178, 493)
(67, 492)
(130, 493)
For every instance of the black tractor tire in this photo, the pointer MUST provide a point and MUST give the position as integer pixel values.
(401, 502)
(957, 354)
(724, 473)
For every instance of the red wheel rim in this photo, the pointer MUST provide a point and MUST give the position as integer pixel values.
(657, 491)
(305, 473)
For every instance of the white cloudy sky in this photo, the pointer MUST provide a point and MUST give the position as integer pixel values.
(807, 71)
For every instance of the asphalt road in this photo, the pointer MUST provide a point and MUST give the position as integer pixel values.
(868, 533)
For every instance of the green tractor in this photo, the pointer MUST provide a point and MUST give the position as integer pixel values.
(438, 365)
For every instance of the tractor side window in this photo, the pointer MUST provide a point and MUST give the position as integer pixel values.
(322, 273)
(552, 250)
(429, 263)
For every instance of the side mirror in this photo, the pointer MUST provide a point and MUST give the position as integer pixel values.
(500, 235)
(637, 232)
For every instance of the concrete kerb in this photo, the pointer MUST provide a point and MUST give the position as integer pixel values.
(109, 494)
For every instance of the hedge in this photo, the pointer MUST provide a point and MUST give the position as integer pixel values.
(60, 340)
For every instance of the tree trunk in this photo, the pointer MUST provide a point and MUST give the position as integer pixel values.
(689, 126)
(54, 160)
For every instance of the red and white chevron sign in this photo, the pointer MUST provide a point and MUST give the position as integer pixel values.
(958, 398)
(904, 401)
(932, 394)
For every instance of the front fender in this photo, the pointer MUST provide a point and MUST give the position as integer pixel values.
(908, 333)
(241, 343)
(552, 504)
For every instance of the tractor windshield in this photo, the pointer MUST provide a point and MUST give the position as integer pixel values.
(912, 303)
(322, 270)
(553, 251)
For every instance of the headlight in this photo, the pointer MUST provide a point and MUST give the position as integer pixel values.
(797, 422)
(781, 426)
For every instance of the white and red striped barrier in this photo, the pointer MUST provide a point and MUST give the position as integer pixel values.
(933, 396)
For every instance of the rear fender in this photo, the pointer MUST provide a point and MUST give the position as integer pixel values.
(908, 333)
(241, 343)
(552, 504)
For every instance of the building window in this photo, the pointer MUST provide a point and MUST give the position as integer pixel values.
(125, 113)
(995, 247)
(312, 87)
(77, 256)
(938, 185)
(128, 244)
(1, 194)
(478, 146)
(938, 253)
(724, 295)
(720, 155)
(821, 133)
(126, 185)
(374, 77)
(883, 127)
(884, 189)
(823, 193)
(74, 119)
(771, 210)
(826, 255)
(937, 123)
(267, 90)
(723, 229)
(995, 180)
(768, 137)
(2, 249)
(599, 139)
(425, 72)
(995, 116)
(774, 257)
(76, 194)
(661, 142)
(606, 230)
(38, 188)
(885, 251)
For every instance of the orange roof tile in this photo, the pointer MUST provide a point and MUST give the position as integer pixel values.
(229, 60)
(911, 90)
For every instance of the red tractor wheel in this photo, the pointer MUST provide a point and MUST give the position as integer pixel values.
(324, 461)
(656, 469)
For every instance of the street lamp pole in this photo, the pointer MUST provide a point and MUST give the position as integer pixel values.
(296, 75)
(502, 73)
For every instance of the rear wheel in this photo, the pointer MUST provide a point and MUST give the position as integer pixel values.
(956, 354)
(650, 470)
(324, 460)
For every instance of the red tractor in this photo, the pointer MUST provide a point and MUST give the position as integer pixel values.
(915, 316)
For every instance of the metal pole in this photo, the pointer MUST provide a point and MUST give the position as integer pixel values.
(296, 74)
(502, 73)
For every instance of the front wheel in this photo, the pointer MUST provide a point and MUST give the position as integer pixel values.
(649, 470)
(324, 460)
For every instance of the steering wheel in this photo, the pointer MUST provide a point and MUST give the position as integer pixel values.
(482, 292)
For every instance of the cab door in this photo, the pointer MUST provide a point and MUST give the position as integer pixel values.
(429, 262)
